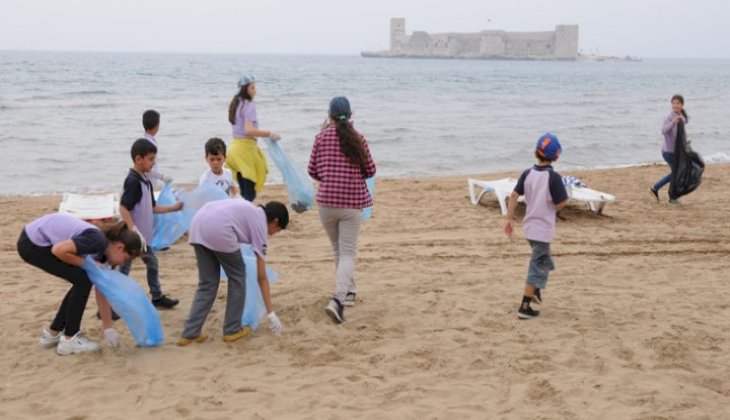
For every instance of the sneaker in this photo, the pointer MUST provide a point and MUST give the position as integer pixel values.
(76, 344)
(655, 193)
(528, 313)
(165, 302)
(48, 340)
(673, 201)
(115, 316)
(350, 299)
(336, 311)
(182, 342)
(537, 297)
(243, 332)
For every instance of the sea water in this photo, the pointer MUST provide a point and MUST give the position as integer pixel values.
(67, 120)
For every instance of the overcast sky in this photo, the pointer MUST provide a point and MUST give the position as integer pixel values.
(644, 28)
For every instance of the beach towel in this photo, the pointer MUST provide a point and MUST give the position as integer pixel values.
(128, 300)
(687, 168)
(300, 188)
(168, 227)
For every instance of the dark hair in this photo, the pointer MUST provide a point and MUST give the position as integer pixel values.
(215, 146)
(239, 98)
(142, 147)
(679, 98)
(276, 210)
(351, 143)
(150, 119)
(120, 232)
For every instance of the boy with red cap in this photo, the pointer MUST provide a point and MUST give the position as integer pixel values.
(545, 195)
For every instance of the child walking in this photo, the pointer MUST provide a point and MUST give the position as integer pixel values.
(246, 160)
(341, 161)
(151, 125)
(57, 244)
(545, 195)
(215, 156)
(669, 130)
(137, 207)
(216, 233)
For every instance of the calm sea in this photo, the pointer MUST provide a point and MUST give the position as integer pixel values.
(67, 120)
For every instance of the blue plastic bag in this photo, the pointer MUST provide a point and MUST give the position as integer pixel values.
(168, 227)
(300, 188)
(197, 198)
(128, 300)
(367, 212)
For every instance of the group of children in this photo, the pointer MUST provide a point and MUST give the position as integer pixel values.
(340, 161)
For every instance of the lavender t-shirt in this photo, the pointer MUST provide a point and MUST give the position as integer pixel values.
(245, 112)
(542, 188)
(224, 225)
(58, 227)
(669, 129)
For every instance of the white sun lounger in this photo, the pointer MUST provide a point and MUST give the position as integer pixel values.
(90, 206)
(502, 189)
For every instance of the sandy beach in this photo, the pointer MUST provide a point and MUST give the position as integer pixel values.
(634, 323)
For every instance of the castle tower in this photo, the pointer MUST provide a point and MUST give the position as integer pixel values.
(566, 42)
(397, 33)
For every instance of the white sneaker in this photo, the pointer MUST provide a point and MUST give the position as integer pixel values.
(350, 299)
(49, 340)
(76, 344)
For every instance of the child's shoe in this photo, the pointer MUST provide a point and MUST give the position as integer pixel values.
(49, 340)
(182, 342)
(350, 299)
(336, 311)
(537, 298)
(528, 313)
(165, 302)
(654, 193)
(76, 344)
(243, 332)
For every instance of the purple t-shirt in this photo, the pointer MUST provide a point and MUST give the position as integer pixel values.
(542, 188)
(58, 227)
(245, 111)
(669, 130)
(224, 225)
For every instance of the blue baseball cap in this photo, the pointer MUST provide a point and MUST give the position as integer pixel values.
(245, 80)
(548, 147)
(340, 108)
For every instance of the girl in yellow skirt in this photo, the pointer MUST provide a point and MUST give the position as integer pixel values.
(245, 158)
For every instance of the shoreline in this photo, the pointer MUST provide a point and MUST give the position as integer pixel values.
(632, 324)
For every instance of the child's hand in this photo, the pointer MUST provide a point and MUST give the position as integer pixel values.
(166, 179)
(274, 136)
(274, 323)
(508, 229)
(112, 337)
(178, 206)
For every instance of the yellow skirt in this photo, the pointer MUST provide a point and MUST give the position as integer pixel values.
(244, 157)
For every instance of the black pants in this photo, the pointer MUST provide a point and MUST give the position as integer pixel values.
(247, 187)
(68, 317)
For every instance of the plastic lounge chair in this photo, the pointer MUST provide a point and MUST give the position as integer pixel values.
(502, 188)
(90, 206)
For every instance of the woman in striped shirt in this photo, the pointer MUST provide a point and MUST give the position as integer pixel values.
(341, 162)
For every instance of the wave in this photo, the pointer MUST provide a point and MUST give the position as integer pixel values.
(90, 92)
(718, 157)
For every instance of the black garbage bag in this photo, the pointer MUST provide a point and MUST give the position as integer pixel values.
(687, 168)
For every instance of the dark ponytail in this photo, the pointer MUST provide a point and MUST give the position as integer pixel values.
(351, 143)
(681, 101)
(120, 232)
(239, 98)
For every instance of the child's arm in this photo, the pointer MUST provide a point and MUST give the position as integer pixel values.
(233, 191)
(274, 323)
(508, 230)
(560, 205)
(105, 311)
(66, 252)
(127, 217)
(167, 209)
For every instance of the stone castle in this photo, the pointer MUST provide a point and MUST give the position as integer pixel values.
(560, 44)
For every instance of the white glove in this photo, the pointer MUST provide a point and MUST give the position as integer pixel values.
(141, 238)
(274, 323)
(166, 179)
(274, 136)
(112, 337)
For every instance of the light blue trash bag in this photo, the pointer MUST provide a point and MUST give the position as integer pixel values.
(128, 300)
(197, 198)
(300, 188)
(254, 308)
(168, 227)
(367, 212)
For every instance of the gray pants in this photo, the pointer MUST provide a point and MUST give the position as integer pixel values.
(343, 228)
(209, 276)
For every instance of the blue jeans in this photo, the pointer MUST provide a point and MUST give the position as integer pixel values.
(153, 272)
(541, 264)
(669, 158)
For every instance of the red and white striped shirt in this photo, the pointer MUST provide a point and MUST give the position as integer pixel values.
(342, 183)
